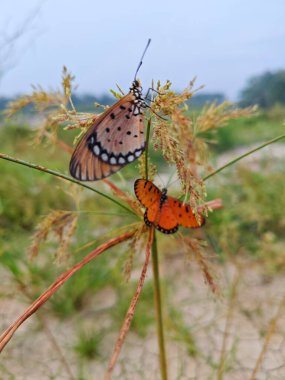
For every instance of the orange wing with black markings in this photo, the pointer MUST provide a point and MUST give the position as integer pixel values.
(146, 192)
(165, 213)
(184, 214)
(167, 222)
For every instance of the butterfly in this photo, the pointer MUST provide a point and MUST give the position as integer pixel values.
(114, 140)
(163, 212)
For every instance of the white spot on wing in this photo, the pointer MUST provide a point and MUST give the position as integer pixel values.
(96, 150)
(92, 140)
(122, 160)
(138, 153)
(131, 158)
(104, 157)
(113, 160)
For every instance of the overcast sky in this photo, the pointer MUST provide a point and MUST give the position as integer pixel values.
(222, 42)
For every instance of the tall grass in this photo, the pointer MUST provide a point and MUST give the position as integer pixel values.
(250, 224)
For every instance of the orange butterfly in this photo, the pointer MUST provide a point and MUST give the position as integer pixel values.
(115, 140)
(163, 212)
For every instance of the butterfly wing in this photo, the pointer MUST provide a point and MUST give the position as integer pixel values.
(151, 214)
(161, 217)
(184, 214)
(87, 167)
(115, 139)
(149, 196)
(167, 222)
(147, 193)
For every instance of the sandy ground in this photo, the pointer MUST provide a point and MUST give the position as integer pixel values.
(247, 315)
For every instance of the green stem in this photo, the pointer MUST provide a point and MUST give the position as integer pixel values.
(243, 155)
(146, 147)
(67, 178)
(158, 310)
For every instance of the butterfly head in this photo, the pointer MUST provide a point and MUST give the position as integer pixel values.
(136, 89)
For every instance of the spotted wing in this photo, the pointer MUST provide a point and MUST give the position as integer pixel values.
(115, 139)
(147, 193)
(86, 167)
(184, 214)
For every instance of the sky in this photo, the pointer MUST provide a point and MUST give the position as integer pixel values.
(222, 42)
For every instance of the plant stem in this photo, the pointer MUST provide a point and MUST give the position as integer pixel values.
(146, 147)
(158, 310)
(63, 176)
(243, 155)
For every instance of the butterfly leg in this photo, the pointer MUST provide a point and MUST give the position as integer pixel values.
(152, 89)
(161, 117)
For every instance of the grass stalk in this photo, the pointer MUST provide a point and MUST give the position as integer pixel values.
(131, 311)
(244, 155)
(67, 178)
(158, 310)
(146, 147)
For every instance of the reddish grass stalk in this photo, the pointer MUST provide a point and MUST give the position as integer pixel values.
(69, 149)
(123, 196)
(59, 142)
(130, 312)
(7, 335)
(49, 333)
(214, 204)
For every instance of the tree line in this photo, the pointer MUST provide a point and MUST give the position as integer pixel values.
(265, 90)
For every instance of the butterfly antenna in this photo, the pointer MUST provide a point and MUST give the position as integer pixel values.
(141, 60)
(161, 180)
(170, 179)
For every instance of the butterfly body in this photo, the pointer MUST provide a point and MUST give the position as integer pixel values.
(113, 141)
(163, 212)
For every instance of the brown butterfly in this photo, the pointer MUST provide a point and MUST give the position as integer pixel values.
(163, 212)
(114, 140)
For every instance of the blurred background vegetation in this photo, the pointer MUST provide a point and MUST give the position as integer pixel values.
(77, 327)
(250, 225)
